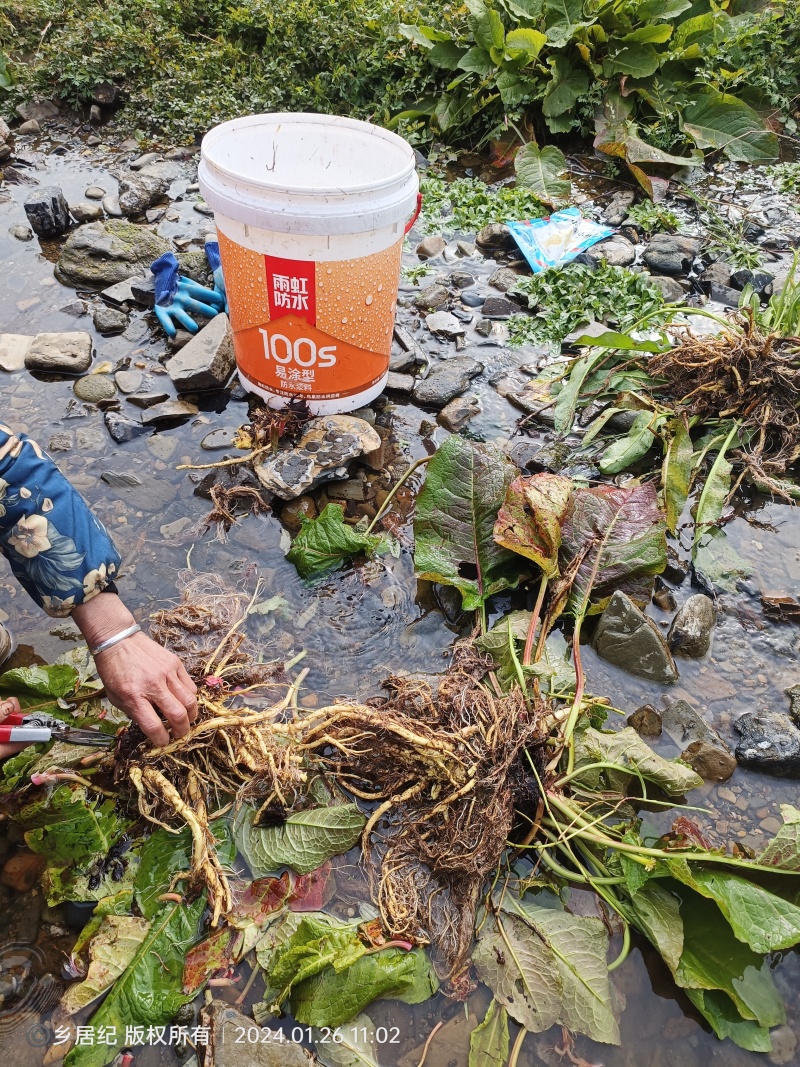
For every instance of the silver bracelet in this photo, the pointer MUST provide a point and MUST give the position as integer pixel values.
(111, 641)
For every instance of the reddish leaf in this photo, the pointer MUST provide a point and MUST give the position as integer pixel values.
(529, 522)
(685, 832)
(204, 960)
(259, 900)
(310, 892)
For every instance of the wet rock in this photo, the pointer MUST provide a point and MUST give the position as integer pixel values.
(208, 360)
(122, 428)
(400, 383)
(446, 380)
(497, 307)
(326, 447)
(433, 296)
(121, 293)
(685, 725)
(100, 254)
(718, 273)
(627, 638)
(225, 1024)
(60, 442)
(455, 415)
(495, 236)
(223, 437)
(105, 94)
(20, 232)
(444, 323)
(690, 633)
(461, 279)
(504, 279)
(169, 411)
(484, 327)
(430, 247)
(793, 693)
(466, 249)
(120, 479)
(47, 211)
(769, 742)
(5, 130)
(138, 192)
(784, 1045)
(616, 210)
(473, 300)
(111, 206)
(86, 211)
(69, 352)
(760, 280)
(723, 294)
(147, 400)
(712, 763)
(142, 161)
(31, 128)
(41, 110)
(108, 321)
(671, 288)
(646, 721)
(22, 871)
(202, 208)
(13, 350)
(143, 290)
(6, 152)
(128, 381)
(95, 115)
(616, 251)
(291, 512)
(664, 598)
(94, 387)
(94, 192)
(669, 253)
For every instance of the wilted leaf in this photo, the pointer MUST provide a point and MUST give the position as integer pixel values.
(540, 170)
(676, 473)
(529, 521)
(206, 958)
(68, 883)
(783, 851)
(716, 560)
(68, 827)
(781, 608)
(488, 1042)
(634, 758)
(564, 411)
(465, 486)
(304, 842)
(354, 1045)
(30, 684)
(325, 543)
(110, 951)
(638, 441)
(719, 120)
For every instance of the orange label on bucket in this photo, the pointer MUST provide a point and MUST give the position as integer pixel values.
(320, 330)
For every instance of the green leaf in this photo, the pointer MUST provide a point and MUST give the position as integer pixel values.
(676, 472)
(636, 60)
(354, 1045)
(637, 443)
(658, 916)
(317, 943)
(632, 758)
(718, 562)
(111, 949)
(118, 903)
(477, 61)
(719, 120)
(69, 827)
(762, 920)
(304, 842)
(527, 9)
(40, 687)
(621, 342)
(625, 535)
(530, 518)
(67, 883)
(487, 27)
(325, 543)
(563, 18)
(488, 1042)
(566, 87)
(716, 489)
(783, 851)
(465, 486)
(422, 35)
(654, 33)
(721, 1014)
(564, 411)
(446, 54)
(332, 998)
(554, 969)
(526, 42)
(554, 667)
(149, 991)
(539, 169)
(161, 856)
(661, 9)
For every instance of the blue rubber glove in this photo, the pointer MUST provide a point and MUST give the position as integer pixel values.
(177, 295)
(212, 255)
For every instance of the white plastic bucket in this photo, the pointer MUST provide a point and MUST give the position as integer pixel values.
(311, 211)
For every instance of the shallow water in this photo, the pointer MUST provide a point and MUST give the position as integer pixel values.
(356, 627)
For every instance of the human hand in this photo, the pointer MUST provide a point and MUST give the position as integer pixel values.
(177, 295)
(10, 707)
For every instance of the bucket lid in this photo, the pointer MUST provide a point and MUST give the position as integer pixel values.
(308, 174)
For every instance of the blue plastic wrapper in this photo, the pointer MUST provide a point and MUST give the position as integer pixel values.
(558, 239)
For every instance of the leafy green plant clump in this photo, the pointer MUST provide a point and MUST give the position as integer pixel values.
(653, 218)
(466, 205)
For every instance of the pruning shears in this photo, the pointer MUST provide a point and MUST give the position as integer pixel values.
(32, 729)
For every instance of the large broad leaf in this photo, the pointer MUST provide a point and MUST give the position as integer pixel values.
(632, 758)
(658, 915)
(546, 967)
(149, 992)
(626, 538)
(526, 43)
(638, 441)
(783, 851)
(760, 919)
(487, 26)
(304, 842)
(718, 562)
(676, 473)
(720, 1012)
(529, 522)
(635, 60)
(566, 87)
(162, 856)
(216, 952)
(476, 61)
(351, 1046)
(616, 134)
(488, 1042)
(39, 688)
(317, 943)
(110, 951)
(325, 543)
(465, 486)
(68, 827)
(541, 170)
(563, 18)
(564, 412)
(719, 120)
(68, 883)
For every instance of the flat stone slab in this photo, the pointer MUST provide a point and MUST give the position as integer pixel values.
(13, 350)
(68, 352)
(208, 360)
(627, 638)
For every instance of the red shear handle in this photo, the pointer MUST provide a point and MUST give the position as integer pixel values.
(24, 734)
(415, 216)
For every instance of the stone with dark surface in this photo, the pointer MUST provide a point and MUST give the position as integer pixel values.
(400, 383)
(108, 321)
(225, 1023)
(41, 110)
(690, 633)
(147, 400)
(138, 192)
(712, 763)
(31, 128)
(207, 361)
(67, 352)
(461, 279)
(685, 725)
(111, 206)
(105, 94)
(504, 278)
(94, 387)
(455, 415)
(121, 428)
(325, 448)
(626, 637)
(793, 693)
(716, 273)
(432, 246)
(143, 290)
(669, 253)
(222, 437)
(446, 380)
(769, 742)
(47, 211)
(671, 288)
(169, 411)
(760, 280)
(432, 296)
(473, 299)
(100, 254)
(617, 251)
(86, 211)
(497, 307)
(616, 210)
(646, 721)
(495, 236)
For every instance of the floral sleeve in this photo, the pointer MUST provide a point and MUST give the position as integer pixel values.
(57, 549)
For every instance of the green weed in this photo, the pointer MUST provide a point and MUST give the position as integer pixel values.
(653, 218)
(466, 205)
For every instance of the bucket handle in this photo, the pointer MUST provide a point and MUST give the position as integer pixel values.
(415, 216)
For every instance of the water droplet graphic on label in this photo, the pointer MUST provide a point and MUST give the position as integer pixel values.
(344, 320)
(368, 300)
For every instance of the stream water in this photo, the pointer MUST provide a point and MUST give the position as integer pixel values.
(356, 627)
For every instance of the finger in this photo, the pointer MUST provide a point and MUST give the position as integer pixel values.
(11, 748)
(183, 693)
(200, 308)
(144, 715)
(201, 293)
(189, 687)
(167, 325)
(9, 707)
(173, 711)
(179, 314)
